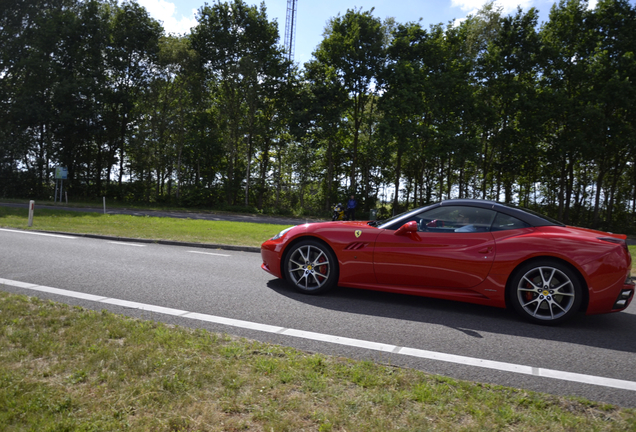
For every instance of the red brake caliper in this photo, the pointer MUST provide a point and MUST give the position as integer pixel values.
(528, 295)
(321, 269)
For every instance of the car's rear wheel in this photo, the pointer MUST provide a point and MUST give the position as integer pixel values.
(311, 267)
(546, 292)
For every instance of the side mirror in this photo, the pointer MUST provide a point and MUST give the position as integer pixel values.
(435, 223)
(407, 229)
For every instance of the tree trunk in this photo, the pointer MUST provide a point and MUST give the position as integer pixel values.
(398, 174)
(248, 169)
(485, 167)
(330, 172)
(597, 199)
(263, 176)
(448, 177)
(561, 189)
(569, 185)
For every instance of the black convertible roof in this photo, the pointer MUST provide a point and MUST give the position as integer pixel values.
(528, 216)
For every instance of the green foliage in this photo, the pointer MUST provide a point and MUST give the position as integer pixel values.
(244, 72)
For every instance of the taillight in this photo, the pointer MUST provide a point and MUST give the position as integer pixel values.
(616, 241)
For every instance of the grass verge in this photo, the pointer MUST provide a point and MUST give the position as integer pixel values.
(156, 228)
(65, 368)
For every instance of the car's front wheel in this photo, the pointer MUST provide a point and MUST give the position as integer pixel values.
(546, 292)
(311, 267)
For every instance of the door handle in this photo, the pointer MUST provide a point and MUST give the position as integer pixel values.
(485, 250)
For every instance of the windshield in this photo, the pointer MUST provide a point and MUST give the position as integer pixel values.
(383, 223)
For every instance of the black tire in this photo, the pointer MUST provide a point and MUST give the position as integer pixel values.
(311, 267)
(546, 292)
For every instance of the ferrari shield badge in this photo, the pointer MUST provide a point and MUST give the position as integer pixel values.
(358, 233)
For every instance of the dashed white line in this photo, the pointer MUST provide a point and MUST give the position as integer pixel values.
(210, 253)
(412, 352)
(37, 233)
(126, 244)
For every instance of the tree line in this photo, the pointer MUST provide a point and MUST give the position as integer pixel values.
(501, 107)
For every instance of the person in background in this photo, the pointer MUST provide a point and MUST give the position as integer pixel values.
(350, 213)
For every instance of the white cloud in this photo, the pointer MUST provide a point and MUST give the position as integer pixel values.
(165, 11)
(458, 21)
(508, 6)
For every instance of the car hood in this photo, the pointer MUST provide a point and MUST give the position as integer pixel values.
(330, 227)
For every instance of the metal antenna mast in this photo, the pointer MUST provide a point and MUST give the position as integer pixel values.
(290, 29)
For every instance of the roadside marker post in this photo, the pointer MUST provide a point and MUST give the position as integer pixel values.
(31, 207)
(104, 205)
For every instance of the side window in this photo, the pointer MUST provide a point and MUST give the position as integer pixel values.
(454, 219)
(505, 222)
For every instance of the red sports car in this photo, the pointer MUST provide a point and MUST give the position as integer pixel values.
(469, 250)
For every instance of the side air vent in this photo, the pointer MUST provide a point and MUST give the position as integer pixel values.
(356, 246)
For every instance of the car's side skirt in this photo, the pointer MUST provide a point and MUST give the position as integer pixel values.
(465, 295)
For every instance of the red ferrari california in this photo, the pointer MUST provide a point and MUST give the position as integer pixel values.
(469, 250)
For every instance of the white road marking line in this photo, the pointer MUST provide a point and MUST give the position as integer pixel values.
(411, 352)
(209, 253)
(126, 244)
(37, 233)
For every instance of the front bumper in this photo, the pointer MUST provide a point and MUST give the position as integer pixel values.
(271, 252)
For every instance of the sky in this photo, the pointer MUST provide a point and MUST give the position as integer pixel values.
(178, 16)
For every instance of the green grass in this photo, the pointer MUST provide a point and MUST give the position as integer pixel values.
(65, 368)
(156, 228)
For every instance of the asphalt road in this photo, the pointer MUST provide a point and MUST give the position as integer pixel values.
(210, 288)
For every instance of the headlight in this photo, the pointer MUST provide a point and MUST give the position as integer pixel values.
(280, 234)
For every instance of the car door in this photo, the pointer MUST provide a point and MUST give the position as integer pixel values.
(449, 247)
